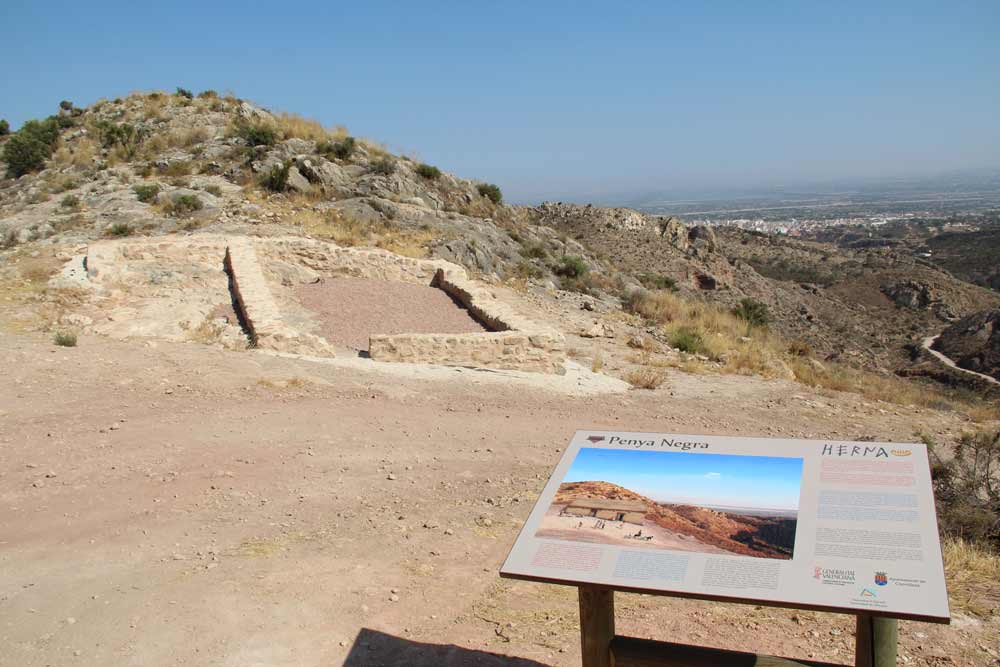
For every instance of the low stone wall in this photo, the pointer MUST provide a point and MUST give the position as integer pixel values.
(512, 350)
(256, 306)
(514, 342)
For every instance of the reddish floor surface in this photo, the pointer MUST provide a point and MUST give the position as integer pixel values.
(351, 309)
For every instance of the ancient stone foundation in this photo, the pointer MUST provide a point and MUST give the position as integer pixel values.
(258, 269)
(513, 341)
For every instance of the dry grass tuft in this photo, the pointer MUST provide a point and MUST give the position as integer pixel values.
(292, 125)
(176, 139)
(645, 378)
(333, 226)
(597, 364)
(345, 230)
(154, 105)
(971, 571)
(406, 243)
(80, 153)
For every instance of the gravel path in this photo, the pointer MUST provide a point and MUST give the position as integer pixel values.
(351, 309)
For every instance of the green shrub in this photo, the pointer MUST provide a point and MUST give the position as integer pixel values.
(658, 281)
(183, 205)
(491, 192)
(213, 190)
(66, 105)
(536, 251)
(119, 229)
(64, 339)
(571, 266)
(64, 185)
(185, 93)
(257, 134)
(29, 147)
(528, 270)
(71, 202)
(276, 179)
(176, 168)
(687, 340)
(4, 128)
(428, 172)
(383, 166)
(208, 94)
(126, 137)
(753, 311)
(340, 150)
(62, 122)
(146, 193)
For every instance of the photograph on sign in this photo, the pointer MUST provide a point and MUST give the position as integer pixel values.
(826, 525)
(713, 503)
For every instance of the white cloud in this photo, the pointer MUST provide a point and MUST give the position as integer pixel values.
(713, 474)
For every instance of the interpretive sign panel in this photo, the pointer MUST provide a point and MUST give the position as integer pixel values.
(816, 524)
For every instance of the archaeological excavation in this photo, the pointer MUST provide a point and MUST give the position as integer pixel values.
(308, 297)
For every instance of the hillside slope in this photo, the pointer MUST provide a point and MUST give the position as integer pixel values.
(736, 533)
(154, 164)
(869, 307)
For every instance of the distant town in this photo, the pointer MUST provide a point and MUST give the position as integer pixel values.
(804, 215)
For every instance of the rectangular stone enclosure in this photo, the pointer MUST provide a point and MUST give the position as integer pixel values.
(511, 341)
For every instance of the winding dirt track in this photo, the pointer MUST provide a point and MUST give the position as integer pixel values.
(928, 345)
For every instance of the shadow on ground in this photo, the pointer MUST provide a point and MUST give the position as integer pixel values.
(373, 648)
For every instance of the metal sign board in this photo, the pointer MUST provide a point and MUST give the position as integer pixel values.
(813, 524)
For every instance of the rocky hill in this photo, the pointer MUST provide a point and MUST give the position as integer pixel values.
(967, 247)
(868, 307)
(158, 163)
(738, 533)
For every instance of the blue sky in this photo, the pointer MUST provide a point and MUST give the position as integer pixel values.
(685, 477)
(560, 100)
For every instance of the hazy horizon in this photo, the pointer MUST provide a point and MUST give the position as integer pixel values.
(563, 101)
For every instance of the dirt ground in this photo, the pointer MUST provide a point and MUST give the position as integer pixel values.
(177, 504)
(351, 309)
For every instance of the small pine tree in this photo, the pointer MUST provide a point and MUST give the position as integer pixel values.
(754, 312)
(429, 172)
(491, 192)
(29, 147)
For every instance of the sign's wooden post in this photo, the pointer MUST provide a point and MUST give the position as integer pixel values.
(875, 642)
(597, 625)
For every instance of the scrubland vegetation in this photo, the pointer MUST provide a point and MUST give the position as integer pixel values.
(739, 341)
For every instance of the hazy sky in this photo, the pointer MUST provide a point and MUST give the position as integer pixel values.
(686, 477)
(559, 100)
